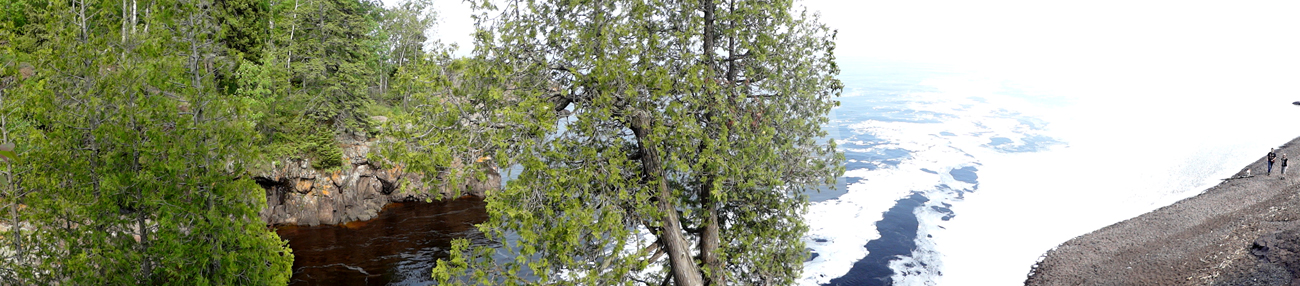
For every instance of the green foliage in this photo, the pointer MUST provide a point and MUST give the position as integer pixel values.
(15, 13)
(317, 78)
(244, 31)
(134, 161)
(244, 27)
(290, 137)
(331, 59)
(451, 114)
(402, 29)
(694, 123)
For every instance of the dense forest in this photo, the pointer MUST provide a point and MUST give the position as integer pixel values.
(659, 141)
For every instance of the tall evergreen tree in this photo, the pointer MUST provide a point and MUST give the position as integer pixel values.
(317, 77)
(331, 58)
(690, 134)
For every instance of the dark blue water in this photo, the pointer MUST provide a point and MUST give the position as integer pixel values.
(897, 238)
(879, 93)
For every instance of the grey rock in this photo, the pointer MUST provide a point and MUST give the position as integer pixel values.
(296, 194)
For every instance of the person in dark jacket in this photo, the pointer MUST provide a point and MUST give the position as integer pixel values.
(1284, 163)
(1271, 156)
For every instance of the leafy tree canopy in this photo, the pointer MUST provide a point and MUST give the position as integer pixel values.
(132, 161)
(689, 133)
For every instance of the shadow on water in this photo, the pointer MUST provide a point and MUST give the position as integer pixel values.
(399, 247)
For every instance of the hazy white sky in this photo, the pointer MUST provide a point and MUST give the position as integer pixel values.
(454, 24)
(1152, 52)
(1055, 32)
(1106, 40)
(1025, 32)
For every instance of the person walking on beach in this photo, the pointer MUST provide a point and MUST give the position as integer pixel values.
(1271, 156)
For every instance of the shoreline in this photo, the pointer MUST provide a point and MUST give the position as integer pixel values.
(1243, 231)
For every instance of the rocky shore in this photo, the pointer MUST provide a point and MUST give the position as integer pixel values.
(296, 194)
(1244, 231)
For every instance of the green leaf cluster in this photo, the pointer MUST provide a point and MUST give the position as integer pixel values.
(134, 159)
(459, 117)
(687, 133)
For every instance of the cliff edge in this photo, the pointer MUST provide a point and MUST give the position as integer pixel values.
(296, 194)
(1244, 231)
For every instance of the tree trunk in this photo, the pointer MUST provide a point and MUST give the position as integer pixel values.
(134, 14)
(709, 238)
(146, 266)
(710, 241)
(11, 192)
(141, 209)
(125, 19)
(684, 270)
(288, 59)
(709, 35)
(80, 23)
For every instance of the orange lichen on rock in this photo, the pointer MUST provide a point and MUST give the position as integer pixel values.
(334, 177)
(304, 185)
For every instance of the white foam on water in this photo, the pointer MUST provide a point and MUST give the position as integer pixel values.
(839, 228)
(1128, 153)
(1124, 153)
(926, 262)
(845, 225)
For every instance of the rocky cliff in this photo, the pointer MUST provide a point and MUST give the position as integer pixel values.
(1244, 231)
(298, 194)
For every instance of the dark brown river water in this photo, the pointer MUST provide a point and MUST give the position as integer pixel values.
(399, 247)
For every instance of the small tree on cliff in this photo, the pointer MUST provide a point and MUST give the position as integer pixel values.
(690, 127)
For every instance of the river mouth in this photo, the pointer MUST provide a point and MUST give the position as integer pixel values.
(398, 247)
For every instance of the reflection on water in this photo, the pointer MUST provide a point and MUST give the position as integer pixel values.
(398, 247)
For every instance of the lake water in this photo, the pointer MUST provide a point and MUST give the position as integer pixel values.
(955, 176)
(967, 176)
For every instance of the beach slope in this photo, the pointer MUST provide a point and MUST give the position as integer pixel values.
(1244, 231)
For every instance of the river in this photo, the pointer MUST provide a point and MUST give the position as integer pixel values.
(399, 247)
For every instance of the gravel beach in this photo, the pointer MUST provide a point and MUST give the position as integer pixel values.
(1244, 231)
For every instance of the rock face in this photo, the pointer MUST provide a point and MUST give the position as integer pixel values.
(299, 195)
